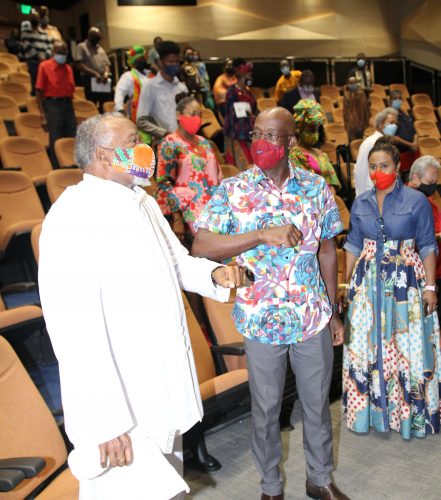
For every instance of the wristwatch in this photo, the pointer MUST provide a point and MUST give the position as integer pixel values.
(430, 288)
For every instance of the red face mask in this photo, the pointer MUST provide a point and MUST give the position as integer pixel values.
(383, 181)
(265, 154)
(191, 124)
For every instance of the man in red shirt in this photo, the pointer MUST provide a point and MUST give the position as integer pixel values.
(55, 88)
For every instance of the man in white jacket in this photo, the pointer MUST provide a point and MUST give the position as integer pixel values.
(110, 275)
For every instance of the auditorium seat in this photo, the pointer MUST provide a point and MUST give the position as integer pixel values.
(11, 60)
(264, 103)
(17, 91)
(336, 133)
(210, 124)
(64, 151)
(369, 130)
(354, 146)
(22, 66)
(224, 329)
(32, 105)
(8, 108)
(426, 128)
(23, 78)
(421, 99)
(331, 150)
(58, 180)
(337, 115)
(330, 91)
(430, 146)
(28, 429)
(84, 109)
(378, 90)
(257, 92)
(20, 211)
(5, 70)
(108, 106)
(402, 88)
(377, 102)
(29, 125)
(35, 239)
(326, 104)
(79, 93)
(229, 170)
(3, 130)
(374, 110)
(220, 393)
(28, 154)
(424, 112)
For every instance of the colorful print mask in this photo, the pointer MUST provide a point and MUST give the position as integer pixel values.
(138, 161)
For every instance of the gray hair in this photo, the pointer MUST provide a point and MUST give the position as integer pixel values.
(381, 117)
(91, 134)
(420, 165)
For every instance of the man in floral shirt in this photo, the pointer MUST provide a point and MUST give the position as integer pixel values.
(278, 221)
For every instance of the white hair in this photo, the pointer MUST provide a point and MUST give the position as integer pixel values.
(381, 117)
(91, 134)
(421, 164)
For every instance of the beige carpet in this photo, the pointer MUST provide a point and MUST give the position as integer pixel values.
(368, 467)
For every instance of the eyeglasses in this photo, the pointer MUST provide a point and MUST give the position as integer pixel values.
(256, 135)
(381, 236)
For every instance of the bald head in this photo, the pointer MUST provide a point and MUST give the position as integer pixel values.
(278, 119)
(94, 35)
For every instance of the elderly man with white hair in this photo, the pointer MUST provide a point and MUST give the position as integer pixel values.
(110, 273)
(424, 177)
(386, 124)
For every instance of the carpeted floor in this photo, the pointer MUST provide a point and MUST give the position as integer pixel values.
(368, 467)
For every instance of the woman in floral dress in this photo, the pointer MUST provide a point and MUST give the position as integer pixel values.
(392, 360)
(188, 172)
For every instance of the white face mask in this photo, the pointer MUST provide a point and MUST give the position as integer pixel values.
(140, 181)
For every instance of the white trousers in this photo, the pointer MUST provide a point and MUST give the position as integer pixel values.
(151, 476)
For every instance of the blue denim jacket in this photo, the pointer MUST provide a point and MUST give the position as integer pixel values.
(407, 214)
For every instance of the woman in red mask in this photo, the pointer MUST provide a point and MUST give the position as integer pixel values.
(392, 360)
(188, 172)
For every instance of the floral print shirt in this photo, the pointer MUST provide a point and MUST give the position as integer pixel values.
(187, 176)
(286, 302)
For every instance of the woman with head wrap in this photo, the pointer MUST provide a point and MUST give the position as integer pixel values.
(129, 85)
(309, 116)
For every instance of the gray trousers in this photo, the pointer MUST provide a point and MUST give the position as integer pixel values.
(311, 362)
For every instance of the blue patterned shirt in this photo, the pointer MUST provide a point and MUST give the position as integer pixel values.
(287, 302)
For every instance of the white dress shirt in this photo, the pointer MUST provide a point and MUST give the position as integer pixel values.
(110, 275)
(361, 171)
(157, 100)
(124, 88)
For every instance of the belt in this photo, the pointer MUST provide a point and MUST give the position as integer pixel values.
(58, 99)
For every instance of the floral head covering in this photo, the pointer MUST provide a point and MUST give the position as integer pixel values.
(307, 113)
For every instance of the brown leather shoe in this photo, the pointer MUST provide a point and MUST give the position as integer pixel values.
(328, 492)
(271, 497)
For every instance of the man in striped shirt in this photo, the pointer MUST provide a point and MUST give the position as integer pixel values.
(36, 46)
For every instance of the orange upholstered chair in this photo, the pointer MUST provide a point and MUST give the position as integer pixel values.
(421, 99)
(424, 112)
(426, 128)
(11, 60)
(8, 108)
(229, 171)
(266, 103)
(336, 133)
(32, 105)
(20, 211)
(354, 147)
(21, 77)
(58, 180)
(220, 393)
(430, 146)
(64, 151)
(331, 91)
(28, 154)
(28, 429)
(331, 150)
(17, 91)
(210, 124)
(84, 109)
(29, 125)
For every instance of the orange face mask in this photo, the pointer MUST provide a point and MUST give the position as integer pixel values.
(138, 161)
(383, 181)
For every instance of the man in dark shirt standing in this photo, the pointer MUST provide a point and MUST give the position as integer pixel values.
(55, 88)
